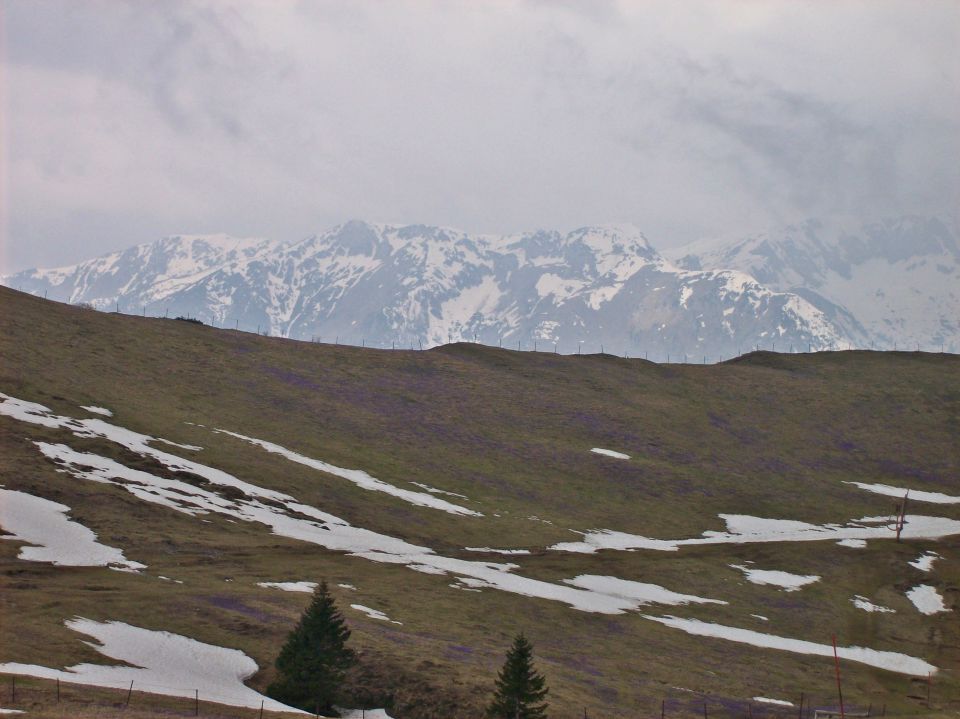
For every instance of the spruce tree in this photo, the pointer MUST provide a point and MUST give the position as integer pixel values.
(520, 688)
(313, 661)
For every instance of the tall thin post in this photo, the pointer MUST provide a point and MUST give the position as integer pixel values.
(196, 702)
(58, 690)
(836, 662)
(705, 711)
(13, 689)
(129, 692)
(929, 679)
(901, 520)
(261, 709)
(663, 708)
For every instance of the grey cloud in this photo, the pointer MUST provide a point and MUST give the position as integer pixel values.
(130, 120)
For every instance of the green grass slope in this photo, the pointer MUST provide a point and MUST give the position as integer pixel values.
(774, 436)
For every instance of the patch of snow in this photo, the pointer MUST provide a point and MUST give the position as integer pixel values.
(363, 713)
(167, 579)
(140, 443)
(347, 586)
(191, 447)
(98, 410)
(290, 586)
(867, 606)
(357, 476)
(892, 661)
(778, 702)
(926, 599)
(434, 490)
(52, 536)
(900, 492)
(497, 551)
(925, 561)
(760, 617)
(11, 711)
(374, 613)
(642, 592)
(789, 582)
(610, 453)
(746, 529)
(853, 543)
(162, 663)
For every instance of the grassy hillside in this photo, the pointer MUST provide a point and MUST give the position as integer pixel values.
(774, 436)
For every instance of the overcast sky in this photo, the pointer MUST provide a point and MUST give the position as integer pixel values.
(127, 121)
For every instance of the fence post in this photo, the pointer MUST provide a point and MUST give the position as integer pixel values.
(261, 709)
(663, 708)
(836, 661)
(58, 690)
(129, 692)
(196, 702)
(13, 689)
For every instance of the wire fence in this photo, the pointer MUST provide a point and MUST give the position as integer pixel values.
(128, 697)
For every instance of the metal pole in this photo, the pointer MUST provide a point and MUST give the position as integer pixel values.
(129, 692)
(196, 704)
(836, 662)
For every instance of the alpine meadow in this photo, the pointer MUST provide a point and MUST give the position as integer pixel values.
(680, 534)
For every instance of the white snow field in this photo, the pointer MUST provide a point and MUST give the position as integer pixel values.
(926, 599)
(778, 702)
(358, 477)
(868, 606)
(610, 453)
(309, 524)
(785, 580)
(53, 536)
(642, 592)
(745, 529)
(853, 543)
(163, 663)
(98, 410)
(892, 661)
(290, 586)
(900, 492)
(925, 561)
(374, 613)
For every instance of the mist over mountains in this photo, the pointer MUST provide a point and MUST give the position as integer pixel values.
(808, 286)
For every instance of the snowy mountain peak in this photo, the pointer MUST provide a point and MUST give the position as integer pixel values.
(899, 278)
(603, 285)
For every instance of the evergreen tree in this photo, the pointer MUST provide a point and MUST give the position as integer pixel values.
(315, 658)
(520, 688)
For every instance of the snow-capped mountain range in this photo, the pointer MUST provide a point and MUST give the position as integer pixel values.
(604, 286)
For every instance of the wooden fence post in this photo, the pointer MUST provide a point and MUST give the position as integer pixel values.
(129, 692)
